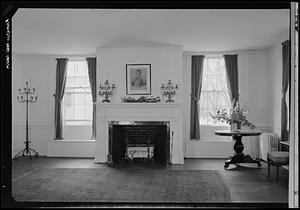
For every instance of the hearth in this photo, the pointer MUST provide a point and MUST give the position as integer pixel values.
(139, 140)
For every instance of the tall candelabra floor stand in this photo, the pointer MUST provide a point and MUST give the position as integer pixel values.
(30, 152)
(29, 98)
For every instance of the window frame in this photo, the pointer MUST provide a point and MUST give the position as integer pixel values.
(74, 91)
(216, 123)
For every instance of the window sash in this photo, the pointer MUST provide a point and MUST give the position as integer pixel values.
(70, 91)
(214, 92)
(77, 122)
(77, 112)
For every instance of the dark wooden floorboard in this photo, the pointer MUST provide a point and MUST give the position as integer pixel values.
(247, 183)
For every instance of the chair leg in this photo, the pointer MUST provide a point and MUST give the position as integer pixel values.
(268, 169)
(277, 176)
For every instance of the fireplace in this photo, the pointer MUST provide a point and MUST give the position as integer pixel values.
(139, 140)
(115, 115)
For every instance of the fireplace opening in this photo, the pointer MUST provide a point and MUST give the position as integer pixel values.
(139, 141)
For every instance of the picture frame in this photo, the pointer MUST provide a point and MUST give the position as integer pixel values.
(138, 79)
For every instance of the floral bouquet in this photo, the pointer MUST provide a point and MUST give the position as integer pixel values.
(236, 115)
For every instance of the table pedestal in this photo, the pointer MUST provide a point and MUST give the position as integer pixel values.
(239, 156)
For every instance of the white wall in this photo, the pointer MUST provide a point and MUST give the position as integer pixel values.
(253, 83)
(39, 71)
(166, 63)
(71, 148)
(36, 69)
(254, 94)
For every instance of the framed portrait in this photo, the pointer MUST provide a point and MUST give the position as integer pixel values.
(138, 79)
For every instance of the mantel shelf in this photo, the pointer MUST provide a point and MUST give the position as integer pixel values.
(166, 105)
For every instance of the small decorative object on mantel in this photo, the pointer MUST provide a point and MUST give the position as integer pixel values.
(28, 98)
(142, 99)
(235, 117)
(169, 90)
(106, 90)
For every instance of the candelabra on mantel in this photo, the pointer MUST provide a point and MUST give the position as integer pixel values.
(169, 90)
(29, 97)
(106, 90)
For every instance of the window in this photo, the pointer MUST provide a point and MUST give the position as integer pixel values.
(77, 101)
(214, 91)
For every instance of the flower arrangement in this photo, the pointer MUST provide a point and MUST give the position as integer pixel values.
(142, 99)
(236, 115)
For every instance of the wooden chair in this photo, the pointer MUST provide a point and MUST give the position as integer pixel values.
(277, 159)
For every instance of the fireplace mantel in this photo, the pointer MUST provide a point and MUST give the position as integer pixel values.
(107, 112)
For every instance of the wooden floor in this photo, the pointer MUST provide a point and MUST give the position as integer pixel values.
(247, 183)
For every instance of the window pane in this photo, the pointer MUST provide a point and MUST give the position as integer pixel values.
(82, 82)
(68, 98)
(78, 98)
(69, 112)
(80, 69)
(88, 98)
(70, 69)
(86, 82)
(88, 112)
(70, 82)
(79, 112)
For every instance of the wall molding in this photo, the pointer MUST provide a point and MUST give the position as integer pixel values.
(31, 126)
(218, 53)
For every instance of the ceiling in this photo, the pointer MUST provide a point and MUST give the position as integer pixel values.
(81, 31)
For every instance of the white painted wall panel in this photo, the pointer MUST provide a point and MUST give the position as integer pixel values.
(71, 148)
(165, 64)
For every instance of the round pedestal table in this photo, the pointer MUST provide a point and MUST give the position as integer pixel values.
(239, 156)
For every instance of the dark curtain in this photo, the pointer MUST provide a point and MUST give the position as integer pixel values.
(196, 84)
(61, 76)
(231, 63)
(285, 84)
(92, 76)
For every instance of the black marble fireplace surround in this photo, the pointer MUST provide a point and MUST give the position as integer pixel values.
(138, 133)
